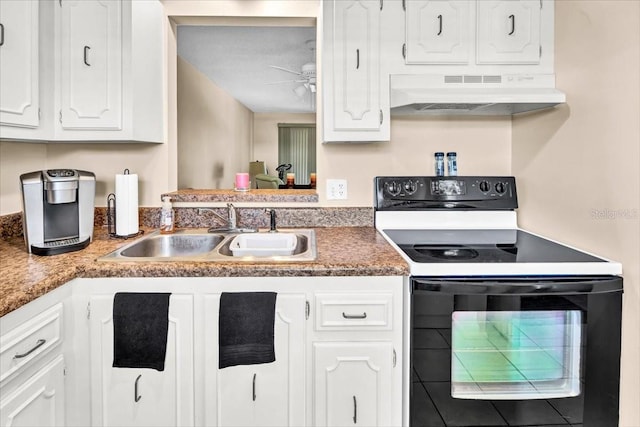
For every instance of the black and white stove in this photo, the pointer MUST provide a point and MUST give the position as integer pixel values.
(459, 226)
(497, 318)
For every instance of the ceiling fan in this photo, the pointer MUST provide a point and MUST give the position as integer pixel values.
(306, 75)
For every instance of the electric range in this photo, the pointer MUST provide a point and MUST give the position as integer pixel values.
(497, 318)
(456, 226)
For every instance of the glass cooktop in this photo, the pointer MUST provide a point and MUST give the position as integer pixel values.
(483, 246)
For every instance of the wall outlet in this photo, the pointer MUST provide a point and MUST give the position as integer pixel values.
(336, 189)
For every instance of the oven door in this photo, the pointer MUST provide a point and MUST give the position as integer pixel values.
(515, 351)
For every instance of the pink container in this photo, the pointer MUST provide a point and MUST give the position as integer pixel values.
(242, 181)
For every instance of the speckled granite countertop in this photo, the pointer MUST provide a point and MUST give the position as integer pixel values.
(342, 251)
(263, 195)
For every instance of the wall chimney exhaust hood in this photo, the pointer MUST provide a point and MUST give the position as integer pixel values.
(479, 95)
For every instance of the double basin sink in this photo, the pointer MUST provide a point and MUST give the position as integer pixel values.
(197, 244)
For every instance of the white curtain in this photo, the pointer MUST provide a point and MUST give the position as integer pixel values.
(297, 145)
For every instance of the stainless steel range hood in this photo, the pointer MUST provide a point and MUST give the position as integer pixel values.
(479, 95)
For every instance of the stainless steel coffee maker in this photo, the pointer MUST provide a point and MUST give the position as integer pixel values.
(57, 210)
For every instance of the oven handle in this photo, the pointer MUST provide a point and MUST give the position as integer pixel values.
(567, 285)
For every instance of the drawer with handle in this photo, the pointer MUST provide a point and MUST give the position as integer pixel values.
(26, 342)
(353, 311)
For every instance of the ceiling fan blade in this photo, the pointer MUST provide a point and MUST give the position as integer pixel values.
(285, 69)
(285, 81)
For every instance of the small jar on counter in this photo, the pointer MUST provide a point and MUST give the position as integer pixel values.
(291, 177)
(452, 164)
(439, 163)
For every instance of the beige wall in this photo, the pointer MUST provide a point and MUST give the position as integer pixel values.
(214, 132)
(17, 158)
(483, 147)
(265, 135)
(149, 161)
(578, 166)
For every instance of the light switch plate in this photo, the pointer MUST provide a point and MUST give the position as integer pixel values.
(336, 189)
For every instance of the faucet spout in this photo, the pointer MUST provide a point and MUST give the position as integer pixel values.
(272, 220)
(233, 217)
(222, 219)
(230, 223)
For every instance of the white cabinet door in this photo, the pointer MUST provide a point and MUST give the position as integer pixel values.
(37, 402)
(508, 31)
(91, 64)
(354, 109)
(19, 78)
(142, 397)
(270, 394)
(353, 383)
(437, 32)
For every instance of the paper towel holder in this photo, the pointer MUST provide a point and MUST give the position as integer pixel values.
(111, 216)
(111, 219)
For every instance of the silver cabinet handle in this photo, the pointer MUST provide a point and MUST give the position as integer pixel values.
(39, 344)
(513, 24)
(86, 56)
(254, 387)
(439, 25)
(136, 396)
(1, 34)
(355, 410)
(354, 316)
(357, 59)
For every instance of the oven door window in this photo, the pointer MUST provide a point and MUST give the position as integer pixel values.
(511, 355)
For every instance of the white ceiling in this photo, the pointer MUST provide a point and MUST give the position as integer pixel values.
(238, 59)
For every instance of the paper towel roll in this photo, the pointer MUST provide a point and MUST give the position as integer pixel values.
(126, 204)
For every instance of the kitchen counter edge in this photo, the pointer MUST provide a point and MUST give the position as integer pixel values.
(342, 251)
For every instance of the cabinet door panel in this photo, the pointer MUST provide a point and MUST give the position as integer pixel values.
(437, 32)
(270, 394)
(356, 56)
(37, 402)
(353, 383)
(91, 64)
(166, 397)
(509, 32)
(19, 77)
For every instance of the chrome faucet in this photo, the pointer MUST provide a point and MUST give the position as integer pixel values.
(230, 223)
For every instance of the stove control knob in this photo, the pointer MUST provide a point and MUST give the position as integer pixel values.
(393, 188)
(500, 188)
(410, 187)
(484, 186)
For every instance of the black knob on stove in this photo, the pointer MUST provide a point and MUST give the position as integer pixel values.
(410, 187)
(500, 188)
(393, 188)
(484, 186)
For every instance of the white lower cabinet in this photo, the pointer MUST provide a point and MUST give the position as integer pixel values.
(353, 383)
(270, 394)
(338, 350)
(39, 401)
(32, 364)
(142, 397)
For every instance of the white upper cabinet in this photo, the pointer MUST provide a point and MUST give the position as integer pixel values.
(477, 36)
(91, 64)
(19, 80)
(355, 106)
(97, 70)
(438, 32)
(509, 31)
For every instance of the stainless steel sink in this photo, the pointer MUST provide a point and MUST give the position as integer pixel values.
(199, 245)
